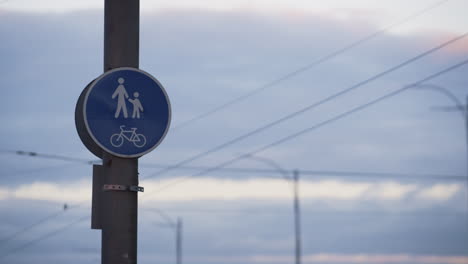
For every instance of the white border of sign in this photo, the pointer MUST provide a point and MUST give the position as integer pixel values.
(86, 119)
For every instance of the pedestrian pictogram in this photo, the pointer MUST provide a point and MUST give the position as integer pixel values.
(121, 95)
(126, 112)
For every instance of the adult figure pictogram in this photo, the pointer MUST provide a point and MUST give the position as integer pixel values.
(121, 95)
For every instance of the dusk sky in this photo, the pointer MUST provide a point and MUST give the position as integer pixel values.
(385, 184)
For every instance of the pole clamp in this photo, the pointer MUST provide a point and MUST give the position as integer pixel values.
(117, 187)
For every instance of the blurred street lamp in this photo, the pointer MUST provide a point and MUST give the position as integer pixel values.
(177, 226)
(457, 107)
(297, 213)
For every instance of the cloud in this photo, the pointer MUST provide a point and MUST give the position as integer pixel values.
(4, 193)
(338, 190)
(391, 190)
(440, 192)
(446, 17)
(48, 191)
(250, 189)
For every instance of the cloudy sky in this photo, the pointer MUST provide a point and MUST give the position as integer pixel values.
(385, 184)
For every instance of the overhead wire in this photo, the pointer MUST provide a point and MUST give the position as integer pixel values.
(55, 214)
(313, 128)
(309, 66)
(236, 170)
(43, 237)
(264, 210)
(41, 169)
(31, 226)
(205, 171)
(280, 141)
(211, 169)
(327, 173)
(304, 172)
(309, 107)
(327, 57)
(55, 157)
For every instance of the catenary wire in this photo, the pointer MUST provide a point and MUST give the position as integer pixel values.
(57, 231)
(264, 210)
(31, 226)
(282, 140)
(280, 79)
(211, 211)
(327, 99)
(53, 156)
(280, 120)
(41, 169)
(304, 172)
(310, 65)
(309, 107)
(313, 128)
(320, 173)
(43, 237)
(329, 173)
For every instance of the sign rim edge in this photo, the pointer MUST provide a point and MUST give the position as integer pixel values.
(86, 119)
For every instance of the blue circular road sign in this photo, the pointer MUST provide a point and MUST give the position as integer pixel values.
(126, 112)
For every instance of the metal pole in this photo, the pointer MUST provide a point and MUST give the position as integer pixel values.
(297, 216)
(297, 212)
(465, 112)
(179, 241)
(120, 209)
(121, 33)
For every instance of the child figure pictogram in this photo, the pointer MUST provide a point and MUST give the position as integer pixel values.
(137, 107)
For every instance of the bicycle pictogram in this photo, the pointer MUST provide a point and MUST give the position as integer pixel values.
(117, 139)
